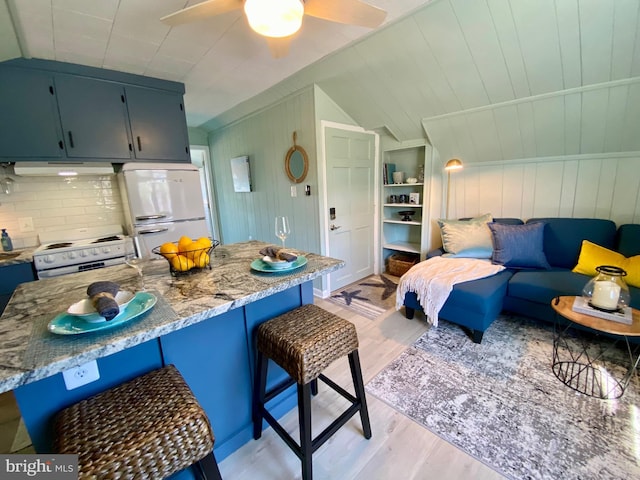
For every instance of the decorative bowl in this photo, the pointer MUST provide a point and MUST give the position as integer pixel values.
(406, 215)
(276, 263)
(187, 261)
(86, 310)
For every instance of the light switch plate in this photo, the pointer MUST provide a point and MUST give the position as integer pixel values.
(81, 375)
(294, 191)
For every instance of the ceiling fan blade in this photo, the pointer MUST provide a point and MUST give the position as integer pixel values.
(279, 46)
(351, 12)
(200, 11)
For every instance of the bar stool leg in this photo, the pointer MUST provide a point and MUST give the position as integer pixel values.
(304, 419)
(260, 386)
(208, 468)
(358, 385)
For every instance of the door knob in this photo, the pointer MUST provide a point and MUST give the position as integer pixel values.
(333, 227)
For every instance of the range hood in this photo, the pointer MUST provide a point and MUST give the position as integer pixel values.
(64, 169)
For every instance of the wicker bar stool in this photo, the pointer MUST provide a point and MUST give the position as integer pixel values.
(147, 428)
(304, 342)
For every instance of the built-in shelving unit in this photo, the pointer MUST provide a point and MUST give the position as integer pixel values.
(398, 235)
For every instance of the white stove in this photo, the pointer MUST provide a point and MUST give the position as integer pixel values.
(79, 250)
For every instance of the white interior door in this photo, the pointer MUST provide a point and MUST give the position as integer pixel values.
(351, 201)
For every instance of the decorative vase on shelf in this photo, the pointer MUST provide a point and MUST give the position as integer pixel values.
(421, 173)
(607, 291)
(398, 177)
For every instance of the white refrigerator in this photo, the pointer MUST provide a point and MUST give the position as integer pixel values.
(162, 202)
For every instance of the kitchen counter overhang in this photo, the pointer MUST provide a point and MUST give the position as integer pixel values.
(28, 352)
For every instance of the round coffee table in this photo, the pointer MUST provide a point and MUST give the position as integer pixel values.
(581, 365)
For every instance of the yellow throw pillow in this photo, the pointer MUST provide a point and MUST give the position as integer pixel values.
(592, 256)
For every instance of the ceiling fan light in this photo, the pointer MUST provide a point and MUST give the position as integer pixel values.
(274, 18)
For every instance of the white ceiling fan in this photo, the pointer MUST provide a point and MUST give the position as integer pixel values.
(279, 20)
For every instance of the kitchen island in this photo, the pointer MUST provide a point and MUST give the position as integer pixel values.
(203, 323)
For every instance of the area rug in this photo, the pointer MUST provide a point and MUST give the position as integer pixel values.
(369, 297)
(501, 403)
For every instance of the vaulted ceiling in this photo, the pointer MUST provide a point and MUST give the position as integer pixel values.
(481, 79)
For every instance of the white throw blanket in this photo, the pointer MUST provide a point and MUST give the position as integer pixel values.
(433, 280)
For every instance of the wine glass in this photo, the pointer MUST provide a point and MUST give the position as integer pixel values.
(133, 257)
(282, 228)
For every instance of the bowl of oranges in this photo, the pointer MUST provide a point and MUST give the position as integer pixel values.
(187, 255)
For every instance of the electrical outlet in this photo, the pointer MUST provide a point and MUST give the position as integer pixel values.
(81, 375)
(294, 191)
(25, 224)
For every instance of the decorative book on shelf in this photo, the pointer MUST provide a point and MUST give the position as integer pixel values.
(623, 315)
(389, 169)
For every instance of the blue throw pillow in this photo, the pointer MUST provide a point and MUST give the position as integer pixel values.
(519, 246)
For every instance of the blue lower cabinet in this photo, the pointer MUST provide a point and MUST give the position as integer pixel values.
(212, 358)
(40, 401)
(10, 277)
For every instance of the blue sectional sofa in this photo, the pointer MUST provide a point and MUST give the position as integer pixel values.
(476, 304)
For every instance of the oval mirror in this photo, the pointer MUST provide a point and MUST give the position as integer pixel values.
(296, 163)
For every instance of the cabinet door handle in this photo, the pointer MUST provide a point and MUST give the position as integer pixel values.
(71, 140)
(61, 145)
(139, 143)
(152, 230)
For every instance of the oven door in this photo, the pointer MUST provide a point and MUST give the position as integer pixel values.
(83, 267)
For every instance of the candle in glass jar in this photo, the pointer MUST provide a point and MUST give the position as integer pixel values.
(606, 295)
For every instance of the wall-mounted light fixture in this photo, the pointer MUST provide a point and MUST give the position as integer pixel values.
(451, 166)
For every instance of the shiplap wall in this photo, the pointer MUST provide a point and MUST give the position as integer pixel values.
(265, 137)
(586, 120)
(589, 186)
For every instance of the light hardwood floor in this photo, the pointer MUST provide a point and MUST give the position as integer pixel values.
(399, 447)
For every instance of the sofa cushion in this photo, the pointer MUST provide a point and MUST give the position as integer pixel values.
(592, 256)
(563, 237)
(467, 238)
(542, 287)
(518, 246)
(628, 239)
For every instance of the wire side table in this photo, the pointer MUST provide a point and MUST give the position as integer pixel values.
(583, 366)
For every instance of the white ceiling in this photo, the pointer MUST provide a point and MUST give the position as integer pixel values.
(482, 80)
(221, 61)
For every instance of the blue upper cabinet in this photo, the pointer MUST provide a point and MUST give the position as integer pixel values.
(158, 124)
(94, 118)
(29, 123)
(53, 110)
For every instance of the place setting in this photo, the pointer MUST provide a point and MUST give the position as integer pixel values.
(275, 259)
(105, 307)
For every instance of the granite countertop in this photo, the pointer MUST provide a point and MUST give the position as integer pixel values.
(25, 255)
(29, 352)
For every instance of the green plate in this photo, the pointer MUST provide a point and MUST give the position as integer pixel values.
(262, 266)
(65, 324)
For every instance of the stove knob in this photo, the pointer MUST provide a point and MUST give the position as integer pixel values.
(49, 259)
(106, 250)
(72, 255)
(94, 251)
(83, 253)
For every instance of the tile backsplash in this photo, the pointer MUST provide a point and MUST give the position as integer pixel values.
(57, 204)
